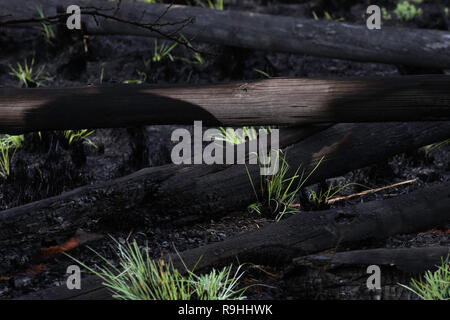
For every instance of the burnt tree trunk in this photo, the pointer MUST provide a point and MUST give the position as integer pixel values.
(416, 47)
(343, 275)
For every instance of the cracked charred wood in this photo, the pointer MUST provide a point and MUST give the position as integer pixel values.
(416, 47)
(344, 274)
(203, 191)
(277, 101)
(309, 232)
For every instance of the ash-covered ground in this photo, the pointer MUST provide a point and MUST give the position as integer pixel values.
(47, 165)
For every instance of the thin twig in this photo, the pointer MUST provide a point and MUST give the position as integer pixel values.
(331, 201)
(95, 12)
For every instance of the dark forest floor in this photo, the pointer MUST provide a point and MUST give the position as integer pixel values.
(48, 166)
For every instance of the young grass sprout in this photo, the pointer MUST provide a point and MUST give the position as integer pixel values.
(278, 191)
(159, 53)
(138, 277)
(8, 143)
(321, 197)
(28, 76)
(217, 5)
(406, 10)
(79, 136)
(47, 30)
(435, 285)
(5, 160)
(236, 137)
(197, 56)
(265, 74)
(433, 146)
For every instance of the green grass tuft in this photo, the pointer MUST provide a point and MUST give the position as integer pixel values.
(216, 5)
(138, 277)
(435, 285)
(238, 136)
(406, 10)
(8, 143)
(278, 191)
(321, 197)
(28, 75)
(47, 30)
(163, 51)
(73, 136)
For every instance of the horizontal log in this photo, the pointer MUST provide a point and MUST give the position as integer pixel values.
(343, 275)
(410, 260)
(202, 192)
(417, 47)
(265, 102)
(307, 232)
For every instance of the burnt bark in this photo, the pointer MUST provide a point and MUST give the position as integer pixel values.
(416, 47)
(344, 275)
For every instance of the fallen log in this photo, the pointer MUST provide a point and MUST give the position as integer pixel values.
(416, 47)
(266, 102)
(201, 191)
(308, 232)
(411, 260)
(343, 275)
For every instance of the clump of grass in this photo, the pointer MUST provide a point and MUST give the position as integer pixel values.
(138, 277)
(216, 5)
(234, 136)
(386, 14)
(73, 136)
(5, 160)
(14, 141)
(278, 191)
(435, 285)
(47, 30)
(8, 143)
(238, 136)
(321, 197)
(163, 51)
(433, 146)
(28, 75)
(198, 58)
(406, 10)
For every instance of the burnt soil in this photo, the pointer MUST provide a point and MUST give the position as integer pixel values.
(48, 165)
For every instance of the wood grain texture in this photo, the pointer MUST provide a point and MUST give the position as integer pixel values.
(278, 101)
